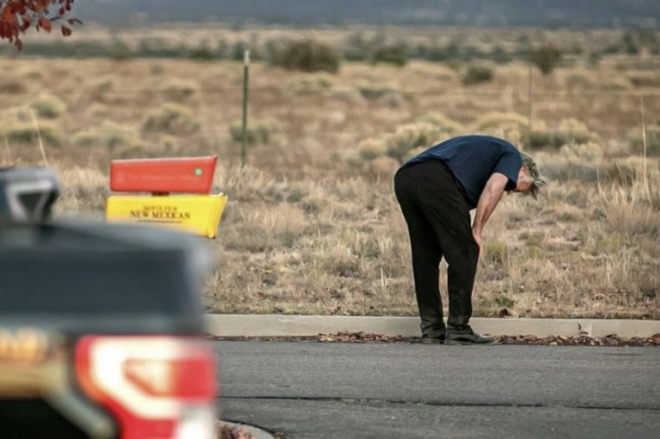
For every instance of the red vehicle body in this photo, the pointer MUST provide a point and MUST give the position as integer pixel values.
(101, 329)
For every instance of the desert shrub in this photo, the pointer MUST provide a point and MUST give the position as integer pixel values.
(307, 55)
(369, 149)
(380, 168)
(514, 127)
(386, 96)
(562, 169)
(578, 152)
(500, 55)
(538, 138)
(376, 93)
(259, 131)
(201, 54)
(494, 120)
(12, 86)
(179, 89)
(477, 75)
(352, 158)
(571, 130)
(450, 52)
(168, 143)
(390, 55)
(546, 58)
(629, 43)
(160, 49)
(98, 110)
(86, 139)
(171, 119)
(645, 79)
(511, 126)
(443, 122)
(579, 79)
(109, 135)
(119, 51)
(357, 48)
(104, 84)
(636, 140)
(533, 238)
(496, 252)
(347, 94)
(48, 106)
(238, 51)
(411, 136)
(394, 100)
(25, 132)
(311, 83)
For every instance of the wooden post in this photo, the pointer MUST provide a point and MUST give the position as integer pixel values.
(529, 98)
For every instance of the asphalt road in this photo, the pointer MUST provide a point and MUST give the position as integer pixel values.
(321, 390)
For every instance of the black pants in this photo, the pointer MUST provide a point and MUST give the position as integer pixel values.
(439, 225)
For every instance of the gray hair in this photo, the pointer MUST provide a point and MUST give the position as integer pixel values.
(534, 176)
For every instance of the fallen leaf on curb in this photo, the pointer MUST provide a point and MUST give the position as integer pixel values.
(226, 431)
(358, 337)
(582, 340)
(554, 340)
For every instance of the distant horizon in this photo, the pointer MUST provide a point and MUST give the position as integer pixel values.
(306, 13)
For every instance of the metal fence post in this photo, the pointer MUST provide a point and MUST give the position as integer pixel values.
(246, 73)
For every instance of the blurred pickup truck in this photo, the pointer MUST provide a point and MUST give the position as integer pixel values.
(101, 329)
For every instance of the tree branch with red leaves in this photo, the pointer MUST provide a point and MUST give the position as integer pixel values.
(17, 16)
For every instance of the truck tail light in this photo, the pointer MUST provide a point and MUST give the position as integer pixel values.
(157, 387)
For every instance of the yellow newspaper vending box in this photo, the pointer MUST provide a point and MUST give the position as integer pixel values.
(198, 213)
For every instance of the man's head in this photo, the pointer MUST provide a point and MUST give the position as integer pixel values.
(529, 178)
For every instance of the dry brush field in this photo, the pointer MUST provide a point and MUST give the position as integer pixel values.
(312, 225)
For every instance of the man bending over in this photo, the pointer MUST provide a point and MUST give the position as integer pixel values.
(436, 191)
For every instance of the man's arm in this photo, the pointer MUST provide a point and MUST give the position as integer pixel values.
(487, 202)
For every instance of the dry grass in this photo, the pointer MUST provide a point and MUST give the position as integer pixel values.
(312, 225)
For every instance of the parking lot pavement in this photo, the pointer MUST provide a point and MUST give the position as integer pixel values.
(318, 390)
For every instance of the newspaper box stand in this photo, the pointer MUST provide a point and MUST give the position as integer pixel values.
(194, 209)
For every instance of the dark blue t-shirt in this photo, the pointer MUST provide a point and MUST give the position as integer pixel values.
(473, 159)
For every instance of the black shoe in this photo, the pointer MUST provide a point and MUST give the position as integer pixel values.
(466, 336)
(430, 339)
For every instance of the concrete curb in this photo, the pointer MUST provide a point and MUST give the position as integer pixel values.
(269, 325)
